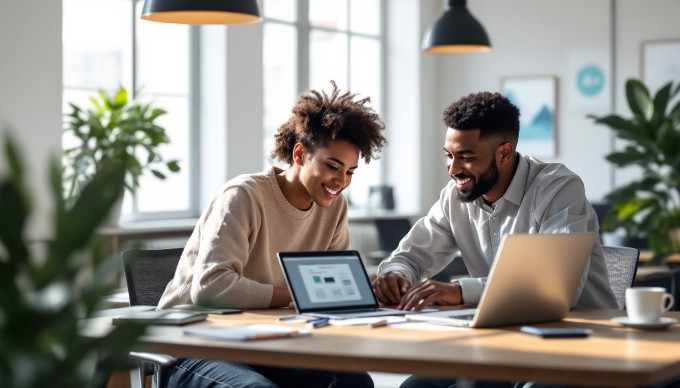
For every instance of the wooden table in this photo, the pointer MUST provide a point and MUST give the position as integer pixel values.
(612, 356)
(118, 236)
(646, 256)
(668, 271)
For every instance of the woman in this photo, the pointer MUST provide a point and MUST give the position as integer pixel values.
(230, 259)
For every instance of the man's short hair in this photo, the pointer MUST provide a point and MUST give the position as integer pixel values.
(492, 113)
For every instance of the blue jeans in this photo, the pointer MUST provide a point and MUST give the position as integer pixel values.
(434, 382)
(225, 374)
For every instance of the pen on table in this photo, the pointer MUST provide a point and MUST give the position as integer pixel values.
(381, 323)
(294, 317)
(318, 323)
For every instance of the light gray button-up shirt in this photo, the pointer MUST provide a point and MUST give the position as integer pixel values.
(542, 198)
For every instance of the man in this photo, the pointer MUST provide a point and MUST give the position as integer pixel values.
(494, 191)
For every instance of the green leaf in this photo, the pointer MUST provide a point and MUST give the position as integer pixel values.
(675, 91)
(158, 174)
(14, 205)
(659, 107)
(115, 129)
(626, 129)
(674, 114)
(631, 156)
(155, 113)
(173, 166)
(91, 208)
(121, 98)
(100, 110)
(639, 100)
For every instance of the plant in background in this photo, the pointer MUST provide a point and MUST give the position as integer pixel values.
(649, 206)
(46, 288)
(114, 128)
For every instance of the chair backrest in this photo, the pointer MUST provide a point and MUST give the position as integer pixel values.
(147, 272)
(622, 263)
(391, 231)
(601, 210)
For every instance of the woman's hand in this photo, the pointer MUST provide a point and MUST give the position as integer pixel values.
(390, 287)
(430, 292)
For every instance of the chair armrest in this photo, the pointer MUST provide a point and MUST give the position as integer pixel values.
(150, 363)
(155, 358)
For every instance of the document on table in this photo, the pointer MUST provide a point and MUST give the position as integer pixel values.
(399, 322)
(368, 320)
(247, 333)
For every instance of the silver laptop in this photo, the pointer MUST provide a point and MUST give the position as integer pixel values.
(534, 278)
(331, 284)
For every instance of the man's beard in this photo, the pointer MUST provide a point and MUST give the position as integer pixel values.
(483, 184)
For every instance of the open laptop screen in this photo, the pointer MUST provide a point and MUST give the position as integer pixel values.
(324, 281)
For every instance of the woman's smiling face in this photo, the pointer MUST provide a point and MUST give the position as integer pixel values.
(328, 171)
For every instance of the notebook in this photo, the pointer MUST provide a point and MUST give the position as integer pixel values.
(247, 333)
(161, 317)
(534, 278)
(331, 284)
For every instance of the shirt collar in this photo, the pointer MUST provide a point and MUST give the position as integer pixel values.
(515, 191)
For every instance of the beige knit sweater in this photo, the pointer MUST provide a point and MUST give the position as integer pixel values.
(230, 258)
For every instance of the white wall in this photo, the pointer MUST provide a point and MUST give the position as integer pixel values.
(529, 37)
(30, 93)
(638, 22)
(231, 110)
(553, 37)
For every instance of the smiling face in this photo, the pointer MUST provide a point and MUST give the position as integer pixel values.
(472, 163)
(325, 173)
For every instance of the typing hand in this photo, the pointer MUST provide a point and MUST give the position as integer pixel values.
(430, 292)
(390, 287)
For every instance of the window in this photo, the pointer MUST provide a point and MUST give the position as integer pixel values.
(106, 45)
(310, 42)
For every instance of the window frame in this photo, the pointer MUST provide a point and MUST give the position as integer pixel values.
(303, 27)
(193, 129)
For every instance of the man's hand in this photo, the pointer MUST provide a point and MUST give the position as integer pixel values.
(390, 287)
(429, 292)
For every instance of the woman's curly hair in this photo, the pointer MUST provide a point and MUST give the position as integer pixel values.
(319, 118)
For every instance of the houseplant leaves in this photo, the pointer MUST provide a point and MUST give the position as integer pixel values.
(650, 205)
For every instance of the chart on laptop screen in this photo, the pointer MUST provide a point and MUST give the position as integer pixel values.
(329, 282)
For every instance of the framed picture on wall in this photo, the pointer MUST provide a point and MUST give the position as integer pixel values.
(660, 63)
(536, 98)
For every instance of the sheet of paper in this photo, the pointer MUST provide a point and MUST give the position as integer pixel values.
(428, 326)
(367, 320)
(246, 333)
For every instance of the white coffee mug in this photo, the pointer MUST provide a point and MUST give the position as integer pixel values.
(647, 304)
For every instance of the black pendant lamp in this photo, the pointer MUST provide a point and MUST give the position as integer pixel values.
(198, 12)
(456, 31)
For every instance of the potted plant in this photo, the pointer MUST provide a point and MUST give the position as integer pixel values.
(650, 205)
(114, 127)
(46, 288)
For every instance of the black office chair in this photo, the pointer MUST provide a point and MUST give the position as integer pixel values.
(621, 263)
(147, 272)
(390, 232)
(601, 210)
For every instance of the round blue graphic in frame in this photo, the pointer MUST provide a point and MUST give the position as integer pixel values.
(590, 80)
